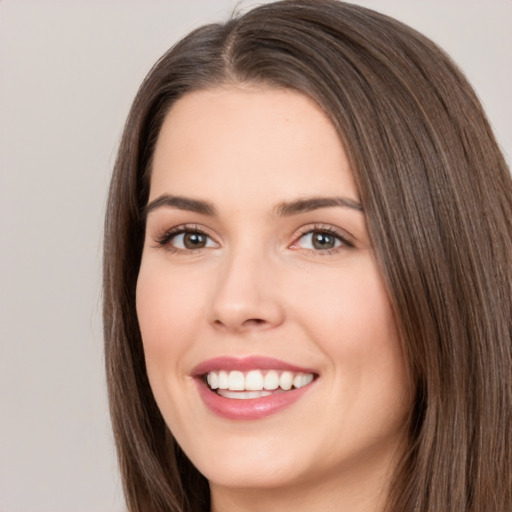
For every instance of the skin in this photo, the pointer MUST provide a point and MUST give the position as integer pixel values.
(260, 287)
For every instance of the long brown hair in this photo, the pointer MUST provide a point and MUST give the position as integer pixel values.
(438, 201)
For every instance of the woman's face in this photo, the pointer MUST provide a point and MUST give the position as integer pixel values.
(258, 276)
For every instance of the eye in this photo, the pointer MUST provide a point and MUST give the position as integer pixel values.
(186, 239)
(192, 240)
(320, 239)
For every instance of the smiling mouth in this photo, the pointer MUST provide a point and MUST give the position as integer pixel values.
(255, 383)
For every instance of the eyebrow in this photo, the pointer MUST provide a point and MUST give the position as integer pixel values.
(284, 209)
(181, 203)
(287, 209)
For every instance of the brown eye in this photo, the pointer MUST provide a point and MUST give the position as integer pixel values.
(320, 240)
(186, 240)
(323, 240)
(194, 240)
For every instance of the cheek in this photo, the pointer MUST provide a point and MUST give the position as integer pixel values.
(167, 306)
(350, 318)
(349, 308)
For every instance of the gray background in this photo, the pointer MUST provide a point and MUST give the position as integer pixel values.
(68, 72)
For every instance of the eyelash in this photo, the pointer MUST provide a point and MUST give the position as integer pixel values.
(166, 239)
(326, 230)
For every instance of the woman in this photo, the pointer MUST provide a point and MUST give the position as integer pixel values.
(307, 274)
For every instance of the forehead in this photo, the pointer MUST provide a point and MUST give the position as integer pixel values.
(249, 140)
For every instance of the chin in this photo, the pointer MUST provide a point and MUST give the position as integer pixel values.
(239, 475)
(256, 468)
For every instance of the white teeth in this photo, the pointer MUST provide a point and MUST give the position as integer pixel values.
(286, 380)
(223, 380)
(243, 395)
(236, 381)
(271, 380)
(213, 380)
(302, 379)
(255, 383)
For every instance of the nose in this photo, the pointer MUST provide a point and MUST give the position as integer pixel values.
(246, 295)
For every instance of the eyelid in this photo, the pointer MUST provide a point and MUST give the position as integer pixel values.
(346, 239)
(164, 239)
(166, 235)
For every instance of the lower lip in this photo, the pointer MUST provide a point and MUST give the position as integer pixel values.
(251, 408)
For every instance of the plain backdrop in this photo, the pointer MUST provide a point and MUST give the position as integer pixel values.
(68, 72)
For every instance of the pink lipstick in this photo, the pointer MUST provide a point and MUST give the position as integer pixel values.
(250, 388)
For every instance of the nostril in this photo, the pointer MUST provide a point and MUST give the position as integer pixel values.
(256, 324)
(250, 323)
(254, 321)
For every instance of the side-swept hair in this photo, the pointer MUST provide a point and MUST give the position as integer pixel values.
(438, 201)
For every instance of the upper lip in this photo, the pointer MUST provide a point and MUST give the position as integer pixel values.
(245, 364)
